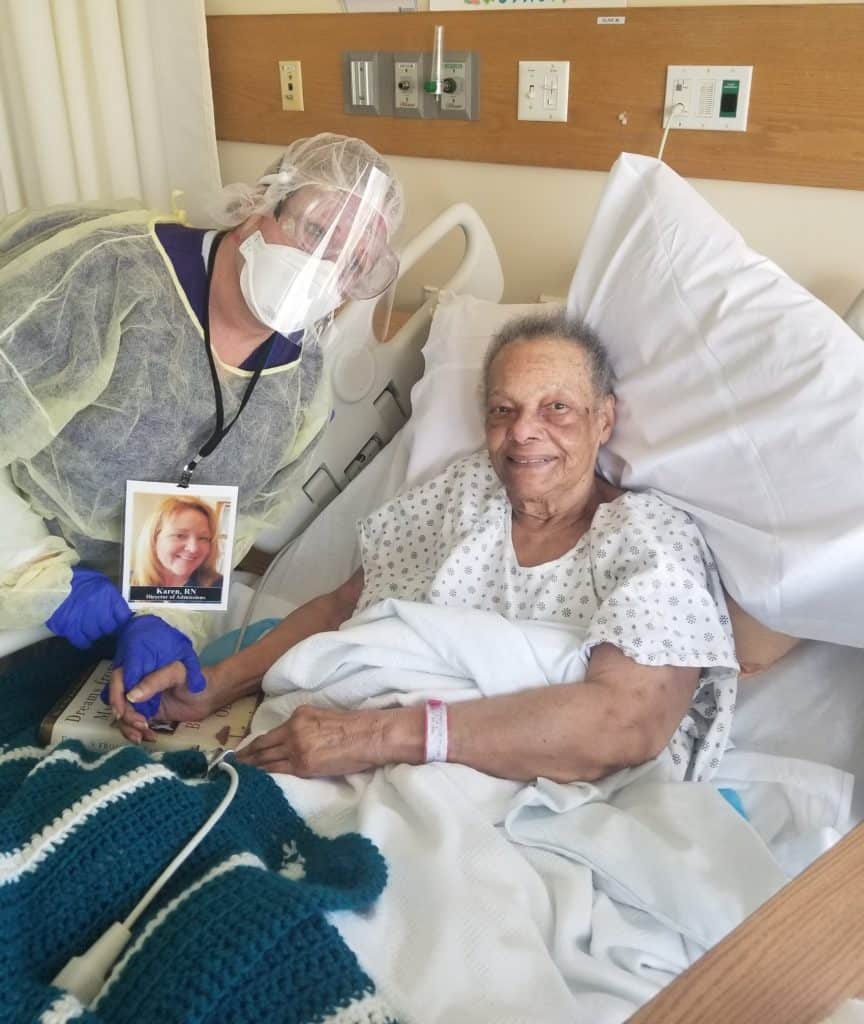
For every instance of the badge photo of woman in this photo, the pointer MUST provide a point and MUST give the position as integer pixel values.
(177, 547)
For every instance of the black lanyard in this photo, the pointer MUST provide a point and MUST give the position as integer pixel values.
(221, 429)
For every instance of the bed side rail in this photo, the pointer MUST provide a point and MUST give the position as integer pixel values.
(371, 382)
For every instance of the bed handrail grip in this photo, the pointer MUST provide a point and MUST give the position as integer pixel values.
(480, 261)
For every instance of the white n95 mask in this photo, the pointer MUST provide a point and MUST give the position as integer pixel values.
(285, 288)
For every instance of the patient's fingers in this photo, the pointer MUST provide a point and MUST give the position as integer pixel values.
(131, 723)
(134, 725)
(317, 742)
(165, 678)
(278, 768)
(276, 759)
(117, 693)
(112, 692)
(275, 738)
(269, 747)
(271, 751)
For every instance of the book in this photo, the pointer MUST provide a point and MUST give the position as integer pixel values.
(80, 715)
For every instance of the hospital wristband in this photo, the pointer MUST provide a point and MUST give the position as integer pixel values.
(436, 731)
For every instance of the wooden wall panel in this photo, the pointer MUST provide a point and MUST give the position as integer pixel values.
(806, 123)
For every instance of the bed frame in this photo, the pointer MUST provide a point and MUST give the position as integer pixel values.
(798, 956)
(371, 380)
(792, 962)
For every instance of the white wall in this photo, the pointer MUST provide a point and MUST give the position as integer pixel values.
(538, 217)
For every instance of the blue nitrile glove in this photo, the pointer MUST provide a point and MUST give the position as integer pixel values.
(93, 608)
(147, 643)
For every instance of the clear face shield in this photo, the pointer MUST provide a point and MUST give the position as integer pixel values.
(331, 246)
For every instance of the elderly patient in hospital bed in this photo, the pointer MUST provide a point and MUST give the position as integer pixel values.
(516, 568)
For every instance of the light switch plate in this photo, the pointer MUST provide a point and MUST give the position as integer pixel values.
(544, 89)
(291, 84)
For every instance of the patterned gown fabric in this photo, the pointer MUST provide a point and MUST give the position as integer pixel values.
(642, 578)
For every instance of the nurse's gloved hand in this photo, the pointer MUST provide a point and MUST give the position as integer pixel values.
(93, 608)
(147, 643)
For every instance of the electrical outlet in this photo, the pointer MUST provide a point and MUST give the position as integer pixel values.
(707, 98)
(291, 84)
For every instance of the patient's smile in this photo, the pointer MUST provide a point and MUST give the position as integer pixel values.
(531, 460)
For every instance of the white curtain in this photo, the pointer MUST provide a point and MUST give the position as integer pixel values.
(104, 99)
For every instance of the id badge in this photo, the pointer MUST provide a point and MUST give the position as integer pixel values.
(177, 545)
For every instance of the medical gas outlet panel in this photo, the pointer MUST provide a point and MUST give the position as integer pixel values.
(397, 85)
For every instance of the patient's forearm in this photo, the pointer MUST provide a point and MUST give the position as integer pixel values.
(622, 715)
(253, 661)
(324, 613)
(564, 732)
(568, 732)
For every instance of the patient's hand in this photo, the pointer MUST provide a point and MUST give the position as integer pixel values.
(178, 703)
(320, 741)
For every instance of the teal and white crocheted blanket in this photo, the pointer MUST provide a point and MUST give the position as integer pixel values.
(238, 935)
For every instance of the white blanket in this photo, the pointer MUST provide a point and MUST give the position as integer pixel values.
(404, 652)
(509, 902)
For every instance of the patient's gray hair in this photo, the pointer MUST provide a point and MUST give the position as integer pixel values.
(562, 327)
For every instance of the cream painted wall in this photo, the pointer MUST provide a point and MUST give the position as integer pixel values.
(337, 7)
(538, 217)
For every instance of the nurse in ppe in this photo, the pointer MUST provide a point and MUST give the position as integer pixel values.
(133, 347)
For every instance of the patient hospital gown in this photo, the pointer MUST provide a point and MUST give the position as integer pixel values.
(642, 578)
(104, 377)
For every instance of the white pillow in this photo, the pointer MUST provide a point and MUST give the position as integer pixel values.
(446, 420)
(740, 397)
(855, 315)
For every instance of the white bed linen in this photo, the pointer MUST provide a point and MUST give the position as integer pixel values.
(471, 918)
(479, 924)
(509, 901)
(403, 652)
(809, 705)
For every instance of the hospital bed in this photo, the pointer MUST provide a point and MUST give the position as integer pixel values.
(483, 925)
(793, 960)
